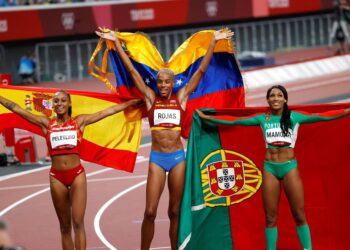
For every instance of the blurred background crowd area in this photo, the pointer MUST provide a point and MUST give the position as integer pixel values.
(59, 39)
(9, 3)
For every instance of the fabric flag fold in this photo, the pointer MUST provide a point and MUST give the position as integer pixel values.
(222, 206)
(221, 86)
(111, 142)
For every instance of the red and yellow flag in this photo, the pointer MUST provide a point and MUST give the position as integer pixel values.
(111, 142)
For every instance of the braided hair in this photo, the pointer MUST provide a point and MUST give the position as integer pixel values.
(68, 95)
(285, 121)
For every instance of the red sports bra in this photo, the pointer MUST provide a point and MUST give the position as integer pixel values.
(63, 138)
(165, 114)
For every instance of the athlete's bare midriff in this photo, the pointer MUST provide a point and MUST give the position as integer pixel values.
(279, 154)
(65, 162)
(166, 140)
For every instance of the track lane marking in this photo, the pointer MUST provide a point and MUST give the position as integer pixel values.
(88, 180)
(28, 197)
(291, 88)
(10, 176)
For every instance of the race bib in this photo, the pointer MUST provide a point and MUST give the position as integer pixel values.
(275, 137)
(171, 116)
(63, 138)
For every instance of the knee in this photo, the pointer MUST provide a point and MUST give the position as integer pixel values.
(173, 213)
(66, 228)
(78, 225)
(271, 218)
(299, 216)
(150, 215)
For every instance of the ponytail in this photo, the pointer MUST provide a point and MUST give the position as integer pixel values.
(285, 121)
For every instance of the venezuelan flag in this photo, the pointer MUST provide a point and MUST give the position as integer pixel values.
(221, 86)
(111, 142)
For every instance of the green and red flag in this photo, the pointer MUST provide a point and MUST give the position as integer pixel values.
(222, 206)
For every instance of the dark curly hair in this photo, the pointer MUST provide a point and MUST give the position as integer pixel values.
(285, 121)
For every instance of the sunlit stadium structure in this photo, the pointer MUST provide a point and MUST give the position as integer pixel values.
(62, 35)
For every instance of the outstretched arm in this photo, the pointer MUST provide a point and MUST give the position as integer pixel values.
(303, 117)
(40, 121)
(230, 120)
(197, 76)
(86, 119)
(147, 92)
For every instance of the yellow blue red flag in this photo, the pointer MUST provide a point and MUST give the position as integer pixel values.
(221, 86)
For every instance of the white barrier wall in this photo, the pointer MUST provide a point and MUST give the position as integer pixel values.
(296, 71)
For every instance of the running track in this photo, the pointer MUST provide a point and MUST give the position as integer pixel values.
(116, 199)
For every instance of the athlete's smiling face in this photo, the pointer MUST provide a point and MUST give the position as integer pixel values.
(165, 84)
(61, 103)
(276, 100)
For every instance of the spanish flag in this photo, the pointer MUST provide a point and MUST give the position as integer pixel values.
(221, 86)
(228, 213)
(111, 142)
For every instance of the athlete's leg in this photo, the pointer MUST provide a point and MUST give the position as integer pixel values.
(78, 199)
(293, 187)
(155, 185)
(271, 191)
(175, 184)
(61, 202)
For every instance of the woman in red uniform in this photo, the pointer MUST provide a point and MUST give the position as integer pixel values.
(67, 175)
(165, 113)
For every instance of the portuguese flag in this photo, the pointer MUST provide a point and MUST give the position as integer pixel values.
(222, 206)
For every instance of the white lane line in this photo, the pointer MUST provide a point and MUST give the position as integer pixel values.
(343, 100)
(119, 178)
(106, 205)
(155, 248)
(19, 202)
(9, 176)
(89, 248)
(156, 220)
(291, 88)
(88, 180)
(23, 187)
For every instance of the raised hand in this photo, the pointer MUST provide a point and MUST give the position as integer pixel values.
(202, 115)
(223, 34)
(106, 34)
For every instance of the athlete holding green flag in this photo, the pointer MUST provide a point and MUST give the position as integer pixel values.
(280, 129)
